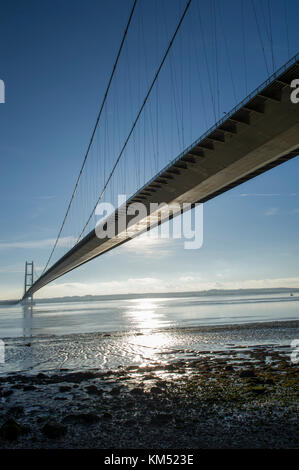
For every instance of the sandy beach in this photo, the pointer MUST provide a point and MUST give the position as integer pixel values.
(241, 397)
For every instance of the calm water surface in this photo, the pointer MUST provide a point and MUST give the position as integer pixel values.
(144, 313)
(112, 333)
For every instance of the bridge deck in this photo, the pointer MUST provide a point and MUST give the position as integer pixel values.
(257, 135)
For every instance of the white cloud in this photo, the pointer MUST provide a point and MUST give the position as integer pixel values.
(187, 278)
(275, 211)
(45, 197)
(149, 285)
(259, 194)
(260, 283)
(131, 285)
(159, 285)
(34, 244)
(12, 269)
(272, 211)
(148, 244)
(267, 194)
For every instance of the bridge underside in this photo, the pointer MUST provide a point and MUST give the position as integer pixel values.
(259, 134)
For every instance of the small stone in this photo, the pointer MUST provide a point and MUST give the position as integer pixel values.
(247, 373)
(81, 418)
(258, 390)
(93, 390)
(16, 410)
(130, 422)
(132, 367)
(54, 430)
(128, 405)
(65, 388)
(11, 430)
(156, 390)
(161, 418)
(41, 419)
(115, 391)
(170, 367)
(137, 391)
(145, 369)
(269, 381)
(29, 388)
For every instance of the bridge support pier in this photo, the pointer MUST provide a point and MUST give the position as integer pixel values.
(29, 269)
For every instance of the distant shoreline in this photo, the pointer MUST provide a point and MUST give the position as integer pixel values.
(9, 302)
(203, 293)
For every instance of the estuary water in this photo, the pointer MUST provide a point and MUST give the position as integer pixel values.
(117, 332)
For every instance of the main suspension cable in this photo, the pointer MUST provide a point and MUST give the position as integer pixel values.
(93, 133)
(138, 115)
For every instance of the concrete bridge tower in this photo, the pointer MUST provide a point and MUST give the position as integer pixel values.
(29, 269)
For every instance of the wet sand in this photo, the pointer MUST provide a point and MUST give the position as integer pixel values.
(243, 397)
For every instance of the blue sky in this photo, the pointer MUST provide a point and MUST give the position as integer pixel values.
(55, 60)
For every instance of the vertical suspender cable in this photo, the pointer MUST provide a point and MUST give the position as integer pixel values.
(94, 131)
(287, 27)
(271, 36)
(139, 113)
(260, 36)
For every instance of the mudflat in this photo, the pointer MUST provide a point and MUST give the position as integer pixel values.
(243, 397)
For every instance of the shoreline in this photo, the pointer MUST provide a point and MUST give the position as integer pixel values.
(176, 294)
(239, 398)
(107, 351)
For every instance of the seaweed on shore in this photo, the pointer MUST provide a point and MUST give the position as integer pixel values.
(223, 400)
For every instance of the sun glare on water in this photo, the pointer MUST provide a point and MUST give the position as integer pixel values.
(146, 316)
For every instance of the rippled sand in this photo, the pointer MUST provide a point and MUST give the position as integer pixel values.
(105, 351)
(195, 388)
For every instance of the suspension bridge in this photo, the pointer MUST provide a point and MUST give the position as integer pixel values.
(258, 134)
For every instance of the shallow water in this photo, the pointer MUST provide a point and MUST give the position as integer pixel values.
(109, 334)
(144, 313)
